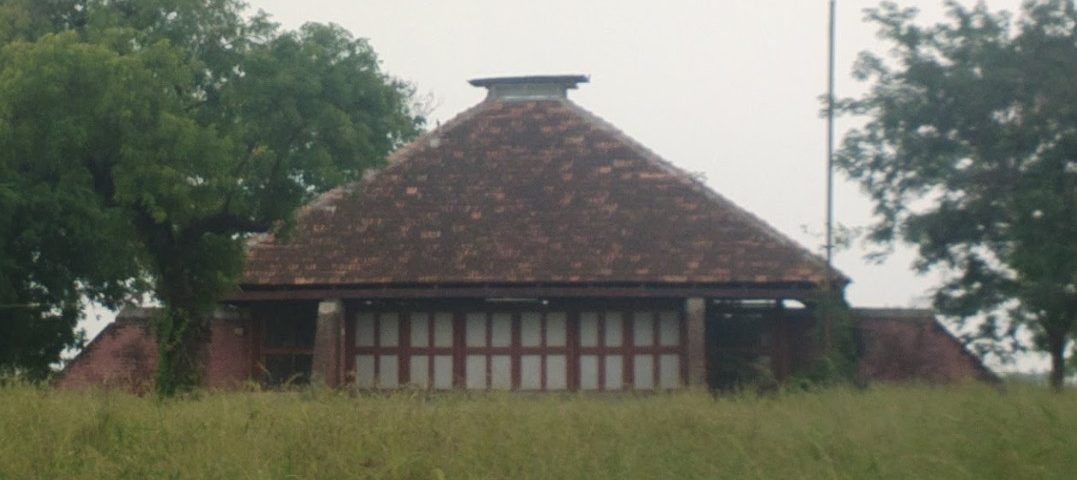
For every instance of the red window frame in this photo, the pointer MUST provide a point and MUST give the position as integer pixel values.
(628, 349)
(431, 350)
(572, 350)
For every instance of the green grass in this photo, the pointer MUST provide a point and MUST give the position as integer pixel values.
(883, 432)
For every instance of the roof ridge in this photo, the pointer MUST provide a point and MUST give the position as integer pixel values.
(695, 184)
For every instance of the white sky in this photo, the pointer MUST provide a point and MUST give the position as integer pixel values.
(727, 88)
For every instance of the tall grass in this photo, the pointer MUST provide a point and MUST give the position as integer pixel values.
(884, 432)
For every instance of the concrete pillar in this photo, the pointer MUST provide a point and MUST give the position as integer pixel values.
(695, 314)
(325, 367)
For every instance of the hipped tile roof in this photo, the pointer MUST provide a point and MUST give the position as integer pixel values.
(528, 192)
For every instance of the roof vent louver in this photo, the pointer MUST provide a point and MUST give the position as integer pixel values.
(535, 87)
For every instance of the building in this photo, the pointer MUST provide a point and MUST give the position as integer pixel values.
(529, 245)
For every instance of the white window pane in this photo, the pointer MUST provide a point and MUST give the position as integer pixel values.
(643, 372)
(389, 333)
(588, 372)
(443, 330)
(614, 372)
(443, 372)
(556, 372)
(530, 372)
(530, 329)
(669, 329)
(589, 329)
(388, 371)
(501, 334)
(364, 371)
(476, 329)
(364, 330)
(501, 372)
(476, 372)
(420, 330)
(555, 329)
(614, 325)
(669, 371)
(643, 329)
(419, 369)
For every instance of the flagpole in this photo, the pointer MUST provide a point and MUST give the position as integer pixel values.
(830, 151)
(830, 169)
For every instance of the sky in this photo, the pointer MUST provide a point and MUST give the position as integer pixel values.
(729, 89)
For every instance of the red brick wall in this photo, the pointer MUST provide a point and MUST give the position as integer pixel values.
(229, 360)
(124, 355)
(903, 345)
(898, 345)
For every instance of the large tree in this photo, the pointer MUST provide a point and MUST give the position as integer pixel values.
(142, 142)
(969, 152)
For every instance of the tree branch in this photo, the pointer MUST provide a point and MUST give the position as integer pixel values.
(224, 223)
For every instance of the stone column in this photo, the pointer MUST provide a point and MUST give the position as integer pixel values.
(695, 313)
(325, 367)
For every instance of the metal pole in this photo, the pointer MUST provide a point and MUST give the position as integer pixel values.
(828, 321)
(830, 156)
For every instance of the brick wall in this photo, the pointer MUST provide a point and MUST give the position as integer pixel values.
(906, 344)
(229, 361)
(898, 345)
(124, 355)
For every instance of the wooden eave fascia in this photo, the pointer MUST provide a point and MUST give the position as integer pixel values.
(729, 291)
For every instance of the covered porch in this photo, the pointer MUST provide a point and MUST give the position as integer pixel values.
(540, 338)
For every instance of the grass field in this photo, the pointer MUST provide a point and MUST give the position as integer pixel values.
(882, 432)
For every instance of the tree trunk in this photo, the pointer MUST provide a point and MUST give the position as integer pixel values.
(181, 337)
(1056, 343)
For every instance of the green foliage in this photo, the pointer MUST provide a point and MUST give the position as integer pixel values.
(836, 334)
(969, 432)
(970, 153)
(141, 142)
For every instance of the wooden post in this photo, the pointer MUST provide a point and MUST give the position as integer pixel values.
(695, 312)
(325, 366)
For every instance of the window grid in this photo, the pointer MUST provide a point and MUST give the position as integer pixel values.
(430, 350)
(627, 350)
(660, 350)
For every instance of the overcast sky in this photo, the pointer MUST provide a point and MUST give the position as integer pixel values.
(726, 88)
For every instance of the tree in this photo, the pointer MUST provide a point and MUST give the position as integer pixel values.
(969, 153)
(160, 135)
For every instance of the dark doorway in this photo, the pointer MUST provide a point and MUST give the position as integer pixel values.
(756, 342)
(287, 343)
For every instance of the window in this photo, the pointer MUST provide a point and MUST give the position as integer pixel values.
(488, 356)
(429, 350)
(657, 340)
(287, 346)
(393, 349)
(517, 348)
(639, 350)
(543, 351)
(377, 341)
(601, 362)
(526, 350)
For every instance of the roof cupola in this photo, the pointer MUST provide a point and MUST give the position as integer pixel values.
(534, 87)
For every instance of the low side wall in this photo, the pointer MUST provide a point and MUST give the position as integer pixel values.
(910, 345)
(124, 355)
(229, 362)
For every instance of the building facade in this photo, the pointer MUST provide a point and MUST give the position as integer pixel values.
(526, 245)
